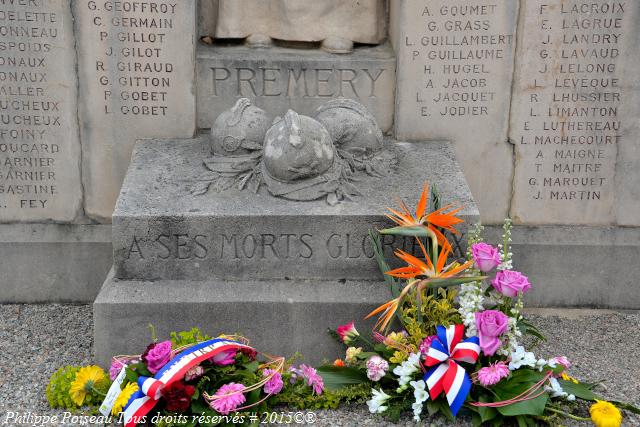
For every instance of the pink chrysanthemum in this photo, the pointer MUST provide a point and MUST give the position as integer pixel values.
(493, 373)
(230, 397)
(275, 384)
(313, 379)
(116, 367)
(425, 344)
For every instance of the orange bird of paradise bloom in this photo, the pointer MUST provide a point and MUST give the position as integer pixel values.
(420, 273)
(445, 217)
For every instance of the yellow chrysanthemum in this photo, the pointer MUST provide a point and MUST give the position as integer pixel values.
(605, 414)
(123, 398)
(569, 378)
(352, 353)
(86, 380)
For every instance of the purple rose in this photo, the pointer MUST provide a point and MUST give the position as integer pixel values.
(491, 324)
(486, 257)
(510, 283)
(157, 355)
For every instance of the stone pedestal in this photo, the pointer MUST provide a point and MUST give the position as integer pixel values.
(242, 262)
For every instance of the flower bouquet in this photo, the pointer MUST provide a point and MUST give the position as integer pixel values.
(459, 344)
(189, 380)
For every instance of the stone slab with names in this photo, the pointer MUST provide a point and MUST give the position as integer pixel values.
(455, 62)
(39, 137)
(574, 114)
(136, 70)
(162, 231)
(277, 79)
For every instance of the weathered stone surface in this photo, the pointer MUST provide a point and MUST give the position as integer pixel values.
(455, 63)
(278, 79)
(276, 309)
(574, 121)
(361, 21)
(39, 140)
(162, 231)
(53, 262)
(136, 67)
(577, 266)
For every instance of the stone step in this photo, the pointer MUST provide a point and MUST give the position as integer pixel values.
(162, 231)
(279, 316)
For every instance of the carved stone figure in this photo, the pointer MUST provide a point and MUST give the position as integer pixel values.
(295, 157)
(356, 135)
(239, 130)
(300, 160)
(351, 126)
(335, 23)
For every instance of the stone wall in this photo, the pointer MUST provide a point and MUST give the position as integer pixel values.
(539, 99)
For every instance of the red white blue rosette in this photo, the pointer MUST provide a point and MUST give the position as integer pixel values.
(446, 375)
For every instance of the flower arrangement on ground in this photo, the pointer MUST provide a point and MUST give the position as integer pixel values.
(459, 343)
(190, 377)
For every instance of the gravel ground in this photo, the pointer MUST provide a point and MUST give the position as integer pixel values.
(36, 339)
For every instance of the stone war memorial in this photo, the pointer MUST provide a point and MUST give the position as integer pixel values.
(249, 167)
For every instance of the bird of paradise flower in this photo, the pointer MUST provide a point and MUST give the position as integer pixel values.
(433, 271)
(423, 223)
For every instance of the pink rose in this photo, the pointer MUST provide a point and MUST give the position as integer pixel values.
(486, 257)
(224, 358)
(157, 355)
(491, 324)
(510, 283)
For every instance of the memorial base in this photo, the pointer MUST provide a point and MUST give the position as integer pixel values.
(278, 316)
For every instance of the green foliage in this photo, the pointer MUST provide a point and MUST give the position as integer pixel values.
(420, 316)
(299, 396)
(183, 338)
(58, 388)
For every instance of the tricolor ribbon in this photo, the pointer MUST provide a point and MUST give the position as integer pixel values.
(445, 374)
(150, 389)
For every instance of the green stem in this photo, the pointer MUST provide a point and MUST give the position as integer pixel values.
(93, 389)
(568, 415)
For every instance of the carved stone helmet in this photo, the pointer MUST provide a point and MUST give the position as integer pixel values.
(351, 126)
(299, 158)
(239, 130)
(297, 147)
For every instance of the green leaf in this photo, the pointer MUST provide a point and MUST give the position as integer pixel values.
(393, 283)
(432, 407)
(626, 406)
(444, 282)
(407, 231)
(486, 413)
(581, 391)
(253, 366)
(336, 377)
(528, 407)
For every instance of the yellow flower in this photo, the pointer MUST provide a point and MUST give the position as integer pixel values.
(352, 353)
(569, 378)
(86, 380)
(123, 398)
(398, 357)
(604, 414)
